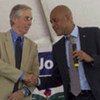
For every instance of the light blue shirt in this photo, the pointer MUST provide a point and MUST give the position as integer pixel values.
(14, 38)
(83, 81)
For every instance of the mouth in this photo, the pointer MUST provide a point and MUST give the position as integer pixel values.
(27, 28)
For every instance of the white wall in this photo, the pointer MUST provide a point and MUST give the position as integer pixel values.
(85, 12)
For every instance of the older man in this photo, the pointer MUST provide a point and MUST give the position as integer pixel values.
(19, 67)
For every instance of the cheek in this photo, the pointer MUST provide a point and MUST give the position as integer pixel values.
(60, 26)
(22, 24)
(63, 26)
(21, 28)
(19, 24)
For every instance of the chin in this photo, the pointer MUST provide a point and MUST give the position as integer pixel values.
(24, 33)
(59, 34)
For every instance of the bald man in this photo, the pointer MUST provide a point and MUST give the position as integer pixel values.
(87, 52)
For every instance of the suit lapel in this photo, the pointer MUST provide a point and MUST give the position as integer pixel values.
(62, 48)
(10, 48)
(83, 37)
(25, 52)
(63, 59)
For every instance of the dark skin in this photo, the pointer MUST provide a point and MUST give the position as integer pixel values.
(63, 24)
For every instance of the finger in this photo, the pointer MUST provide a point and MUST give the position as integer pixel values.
(10, 98)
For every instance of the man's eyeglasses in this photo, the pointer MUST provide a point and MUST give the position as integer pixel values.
(27, 18)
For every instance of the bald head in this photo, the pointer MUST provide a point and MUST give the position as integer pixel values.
(62, 20)
(62, 10)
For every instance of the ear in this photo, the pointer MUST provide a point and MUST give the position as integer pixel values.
(14, 19)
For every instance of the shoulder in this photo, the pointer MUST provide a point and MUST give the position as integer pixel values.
(59, 44)
(2, 36)
(89, 31)
(92, 29)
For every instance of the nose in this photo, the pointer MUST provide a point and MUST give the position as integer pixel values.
(54, 25)
(29, 22)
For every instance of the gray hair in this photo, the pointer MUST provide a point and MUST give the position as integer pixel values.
(15, 12)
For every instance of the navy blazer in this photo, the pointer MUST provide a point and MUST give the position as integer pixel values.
(90, 43)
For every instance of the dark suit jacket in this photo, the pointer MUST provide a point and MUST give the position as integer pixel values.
(90, 43)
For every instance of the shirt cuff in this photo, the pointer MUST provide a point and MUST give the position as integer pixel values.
(21, 77)
(38, 82)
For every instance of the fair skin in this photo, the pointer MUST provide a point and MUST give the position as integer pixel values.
(21, 27)
(23, 22)
(62, 22)
(30, 79)
(18, 95)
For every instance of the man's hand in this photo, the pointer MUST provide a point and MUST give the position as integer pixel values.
(81, 55)
(18, 95)
(30, 79)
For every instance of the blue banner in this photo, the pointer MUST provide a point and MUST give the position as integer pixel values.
(46, 63)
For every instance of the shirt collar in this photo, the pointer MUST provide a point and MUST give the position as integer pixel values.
(15, 36)
(74, 33)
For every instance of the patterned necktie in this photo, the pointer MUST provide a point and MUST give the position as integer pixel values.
(74, 75)
(18, 57)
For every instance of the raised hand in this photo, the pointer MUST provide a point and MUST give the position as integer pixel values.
(81, 55)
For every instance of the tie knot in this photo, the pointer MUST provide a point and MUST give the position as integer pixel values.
(72, 39)
(68, 37)
(18, 39)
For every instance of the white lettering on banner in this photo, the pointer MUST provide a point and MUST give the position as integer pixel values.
(48, 64)
(41, 63)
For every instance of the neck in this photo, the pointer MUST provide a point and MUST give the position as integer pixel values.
(16, 30)
(69, 30)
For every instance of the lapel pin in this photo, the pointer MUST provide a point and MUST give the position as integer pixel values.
(84, 36)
